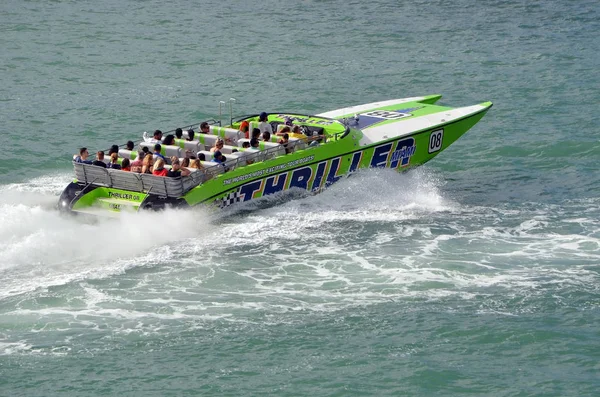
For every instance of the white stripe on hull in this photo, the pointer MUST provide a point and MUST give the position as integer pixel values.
(366, 107)
(408, 126)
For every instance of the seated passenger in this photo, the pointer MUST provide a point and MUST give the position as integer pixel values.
(159, 168)
(218, 146)
(245, 128)
(185, 162)
(256, 133)
(113, 162)
(157, 155)
(83, 156)
(246, 145)
(195, 163)
(189, 154)
(254, 143)
(156, 138)
(284, 130)
(125, 165)
(113, 149)
(266, 136)
(218, 157)
(234, 150)
(318, 139)
(138, 163)
(178, 133)
(297, 133)
(176, 170)
(263, 124)
(190, 135)
(284, 142)
(147, 164)
(129, 145)
(204, 128)
(100, 160)
(201, 157)
(169, 140)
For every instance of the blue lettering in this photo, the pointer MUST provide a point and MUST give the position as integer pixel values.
(405, 148)
(274, 184)
(300, 177)
(319, 176)
(247, 191)
(380, 155)
(332, 177)
(356, 157)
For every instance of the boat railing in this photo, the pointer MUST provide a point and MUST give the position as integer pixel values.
(132, 181)
(176, 187)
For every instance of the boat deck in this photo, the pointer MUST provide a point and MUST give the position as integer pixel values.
(176, 187)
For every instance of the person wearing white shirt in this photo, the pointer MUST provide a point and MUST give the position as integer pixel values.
(263, 124)
(156, 138)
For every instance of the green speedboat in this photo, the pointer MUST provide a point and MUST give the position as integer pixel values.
(399, 134)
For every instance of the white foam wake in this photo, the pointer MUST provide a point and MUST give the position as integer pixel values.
(42, 247)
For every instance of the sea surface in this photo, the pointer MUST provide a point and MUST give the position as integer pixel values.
(476, 274)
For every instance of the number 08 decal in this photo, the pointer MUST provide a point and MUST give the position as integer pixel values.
(435, 141)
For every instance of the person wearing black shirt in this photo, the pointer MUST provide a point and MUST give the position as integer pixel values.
(99, 160)
(176, 170)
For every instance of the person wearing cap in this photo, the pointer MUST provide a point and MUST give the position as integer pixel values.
(83, 156)
(156, 138)
(263, 124)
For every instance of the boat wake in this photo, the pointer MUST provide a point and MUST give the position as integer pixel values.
(43, 247)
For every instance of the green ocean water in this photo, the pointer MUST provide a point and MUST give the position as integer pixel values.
(477, 274)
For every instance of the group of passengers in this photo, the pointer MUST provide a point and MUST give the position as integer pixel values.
(145, 162)
(157, 137)
(154, 163)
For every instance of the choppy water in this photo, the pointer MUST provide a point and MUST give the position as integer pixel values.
(476, 274)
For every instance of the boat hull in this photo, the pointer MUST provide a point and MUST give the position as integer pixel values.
(318, 172)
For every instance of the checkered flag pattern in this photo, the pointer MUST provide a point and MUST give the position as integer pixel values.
(231, 198)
